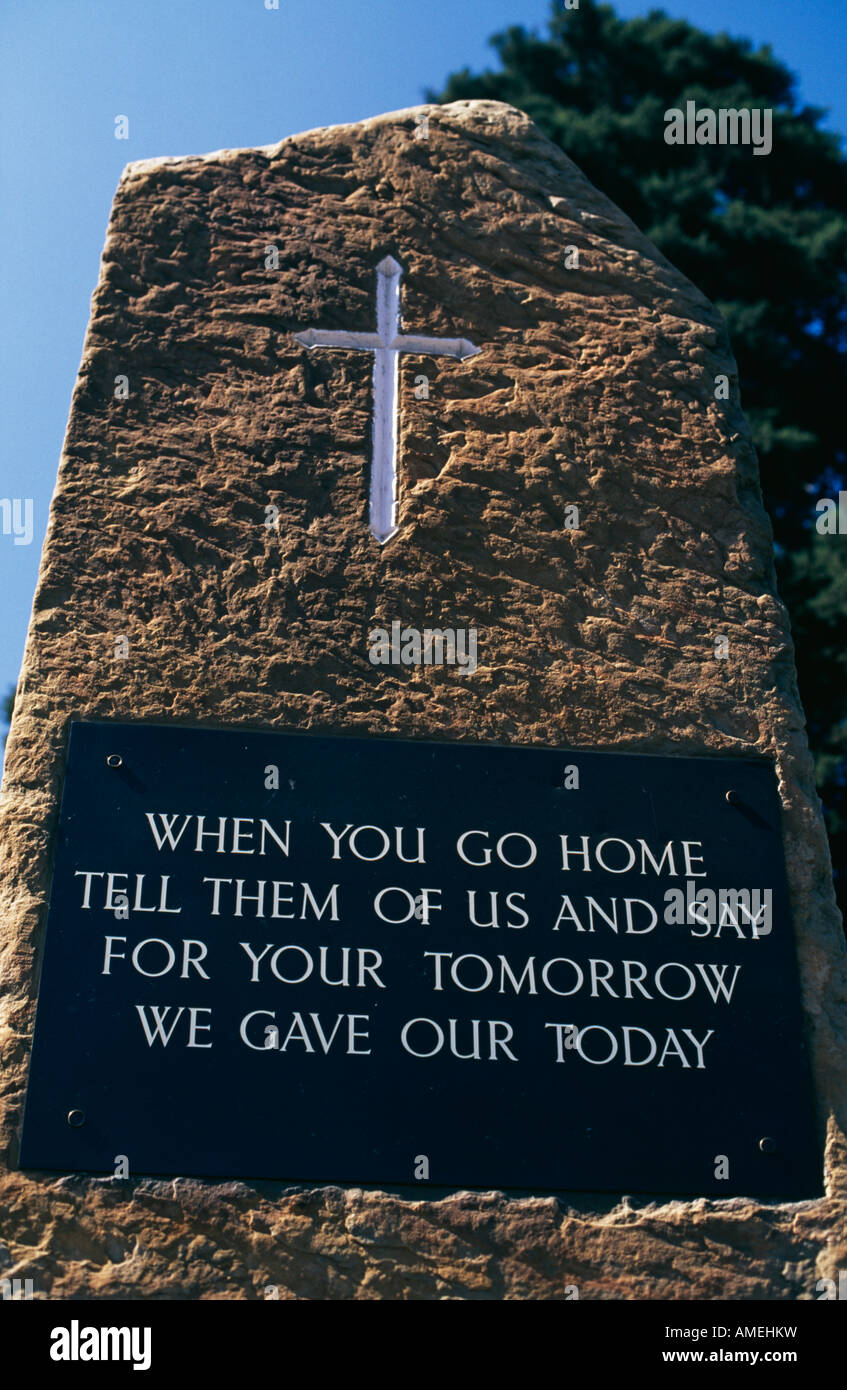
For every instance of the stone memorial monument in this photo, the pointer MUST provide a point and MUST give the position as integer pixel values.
(408, 538)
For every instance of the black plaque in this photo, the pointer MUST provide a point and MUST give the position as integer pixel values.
(571, 1046)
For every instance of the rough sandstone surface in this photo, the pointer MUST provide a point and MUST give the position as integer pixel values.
(595, 387)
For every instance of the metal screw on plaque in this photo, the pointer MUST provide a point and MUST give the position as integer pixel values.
(733, 798)
(767, 1146)
(76, 1118)
(114, 760)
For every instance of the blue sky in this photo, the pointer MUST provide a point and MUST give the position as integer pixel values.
(198, 75)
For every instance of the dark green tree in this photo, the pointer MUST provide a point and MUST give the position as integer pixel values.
(765, 237)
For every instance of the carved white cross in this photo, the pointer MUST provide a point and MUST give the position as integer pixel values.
(386, 345)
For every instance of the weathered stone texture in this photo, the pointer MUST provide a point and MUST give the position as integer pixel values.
(595, 387)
